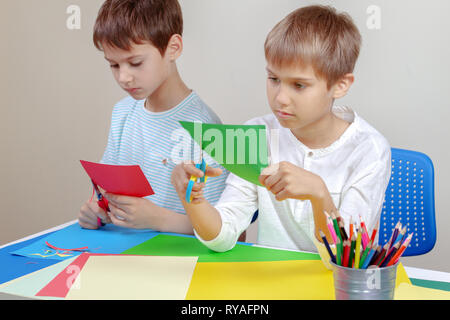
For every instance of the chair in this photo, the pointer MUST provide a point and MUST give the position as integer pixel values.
(409, 198)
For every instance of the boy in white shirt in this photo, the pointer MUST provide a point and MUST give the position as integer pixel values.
(330, 159)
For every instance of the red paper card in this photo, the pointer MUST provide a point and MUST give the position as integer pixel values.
(61, 284)
(122, 180)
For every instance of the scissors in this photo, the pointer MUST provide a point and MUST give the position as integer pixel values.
(202, 166)
(102, 203)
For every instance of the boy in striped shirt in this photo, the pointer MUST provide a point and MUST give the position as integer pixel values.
(142, 39)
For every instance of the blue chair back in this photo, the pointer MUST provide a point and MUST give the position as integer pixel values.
(409, 199)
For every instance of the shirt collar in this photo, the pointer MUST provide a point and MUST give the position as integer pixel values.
(345, 113)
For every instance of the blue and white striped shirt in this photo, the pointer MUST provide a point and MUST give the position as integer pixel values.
(157, 143)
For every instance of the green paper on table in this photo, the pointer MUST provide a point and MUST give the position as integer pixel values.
(166, 245)
(241, 149)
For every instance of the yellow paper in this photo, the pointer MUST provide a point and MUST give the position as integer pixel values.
(133, 277)
(402, 276)
(296, 279)
(286, 280)
(407, 291)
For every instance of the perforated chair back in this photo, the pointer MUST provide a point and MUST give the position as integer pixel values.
(409, 199)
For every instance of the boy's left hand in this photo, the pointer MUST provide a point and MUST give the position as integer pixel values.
(133, 212)
(286, 180)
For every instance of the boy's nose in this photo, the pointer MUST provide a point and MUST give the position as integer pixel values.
(282, 98)
(125, 77)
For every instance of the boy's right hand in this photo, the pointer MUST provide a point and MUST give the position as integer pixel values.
(181, 175)
(89, 212)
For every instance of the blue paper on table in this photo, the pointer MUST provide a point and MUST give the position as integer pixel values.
(108, 239)
(13, 267)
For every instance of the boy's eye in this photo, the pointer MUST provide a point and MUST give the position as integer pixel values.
(114, 66)
(299, 86)
(273, 79)
(135, 64)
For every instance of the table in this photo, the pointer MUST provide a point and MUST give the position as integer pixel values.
(419, 277)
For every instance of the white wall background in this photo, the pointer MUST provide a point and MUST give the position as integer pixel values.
(58, 93)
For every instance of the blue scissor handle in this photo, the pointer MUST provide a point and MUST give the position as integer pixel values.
(202, 166)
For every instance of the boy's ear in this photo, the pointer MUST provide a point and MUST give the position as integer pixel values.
(174, 47)
(343, 85)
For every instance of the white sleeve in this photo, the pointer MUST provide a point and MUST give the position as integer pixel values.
(236, 207)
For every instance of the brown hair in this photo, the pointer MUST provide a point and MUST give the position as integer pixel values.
(121, 22)
(318, 36)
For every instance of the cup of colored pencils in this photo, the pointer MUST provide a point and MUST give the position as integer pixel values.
(357, 252)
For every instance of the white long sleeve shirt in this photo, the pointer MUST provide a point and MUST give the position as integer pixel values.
(355, 169)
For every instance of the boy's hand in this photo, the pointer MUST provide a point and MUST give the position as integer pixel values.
(133, 212)
(181, 175)
(286, 180)
(89, 212)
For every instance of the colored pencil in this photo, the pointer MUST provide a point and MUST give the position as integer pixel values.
(394, 234)
(357, 249)
(342, 229)
(330, 227)
(381, 255)
(341, 225)
(375, 254)
(346, 253)
(363, 225)
(400, 251)
(352, 251)
(364, 254)
(400, 235)
(374, 231)
(336, 227)
(338, 240)
(338, 252)
(365, 234)
(327, 245)
(351, 228)
(369, 258)
(389, 256)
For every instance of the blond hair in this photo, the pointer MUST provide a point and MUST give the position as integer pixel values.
(317, 36)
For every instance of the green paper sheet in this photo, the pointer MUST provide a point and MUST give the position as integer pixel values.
(165, 245)
(241, 149)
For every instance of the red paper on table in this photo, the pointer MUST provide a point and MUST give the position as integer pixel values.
(122, 180)
(60, 285)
